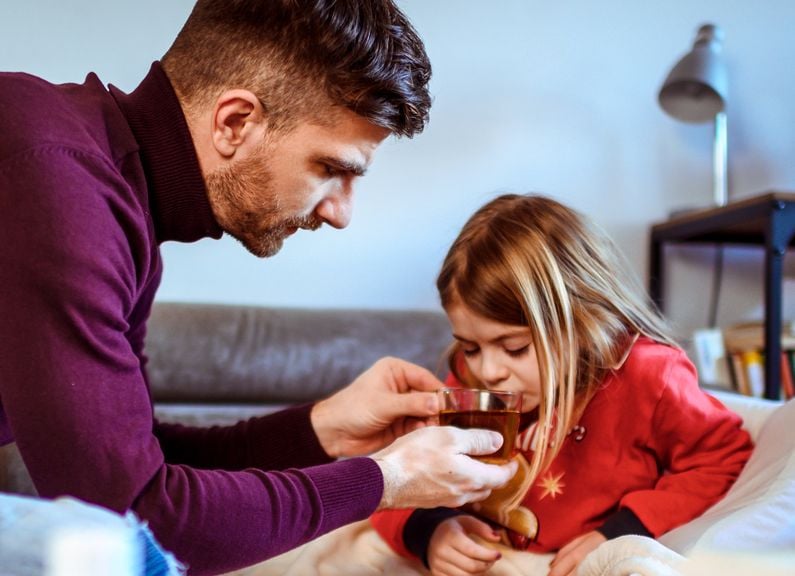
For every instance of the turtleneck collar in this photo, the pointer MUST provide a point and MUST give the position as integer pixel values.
(177, 192)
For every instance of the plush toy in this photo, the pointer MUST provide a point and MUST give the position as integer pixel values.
(504, 508)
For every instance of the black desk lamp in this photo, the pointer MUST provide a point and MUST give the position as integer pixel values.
(695, 91)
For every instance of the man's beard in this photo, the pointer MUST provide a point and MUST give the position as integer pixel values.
(248, 208)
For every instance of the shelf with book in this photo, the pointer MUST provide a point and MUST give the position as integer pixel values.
(766, 220)
(745, 355)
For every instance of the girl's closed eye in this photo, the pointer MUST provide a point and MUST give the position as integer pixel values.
(469, 352)
(517, 352)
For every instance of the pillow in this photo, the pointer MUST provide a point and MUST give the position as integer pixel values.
(758, 512)
(36, 532)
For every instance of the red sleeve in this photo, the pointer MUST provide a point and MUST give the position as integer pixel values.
(700, 444)
(390, 524)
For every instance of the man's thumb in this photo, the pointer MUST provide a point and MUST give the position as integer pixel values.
(417, 404)
(479, 442)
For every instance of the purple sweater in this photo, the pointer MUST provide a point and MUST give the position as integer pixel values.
(92, 180)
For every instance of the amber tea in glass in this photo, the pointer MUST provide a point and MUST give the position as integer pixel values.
(492, 410)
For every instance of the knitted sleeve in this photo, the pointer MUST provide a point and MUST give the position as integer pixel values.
(699, 443)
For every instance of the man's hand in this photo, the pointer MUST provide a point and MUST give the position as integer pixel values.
(431, 467)
(453, 552)
(568, 558)
(389, 399)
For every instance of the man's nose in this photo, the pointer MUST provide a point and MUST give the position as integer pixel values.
(337, 208)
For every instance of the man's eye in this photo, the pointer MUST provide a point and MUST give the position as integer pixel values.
(518, 351)
(332, 172)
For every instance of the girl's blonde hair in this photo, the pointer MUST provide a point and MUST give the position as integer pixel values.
(528, 260)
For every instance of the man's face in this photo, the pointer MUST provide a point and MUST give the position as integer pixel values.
(300, 179)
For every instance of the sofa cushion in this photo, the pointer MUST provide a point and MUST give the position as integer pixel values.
(218, 414)
(14, 475)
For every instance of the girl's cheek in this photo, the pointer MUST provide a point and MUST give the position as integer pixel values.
(529, 402)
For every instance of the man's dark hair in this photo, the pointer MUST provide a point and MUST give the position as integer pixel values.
(297, 55)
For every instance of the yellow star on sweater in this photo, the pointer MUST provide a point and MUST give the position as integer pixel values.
(552, 485)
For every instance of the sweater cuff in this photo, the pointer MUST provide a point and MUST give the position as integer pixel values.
(420, 527)
(623, 522)
(349, 490)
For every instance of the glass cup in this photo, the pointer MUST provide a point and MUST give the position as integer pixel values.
(489, 409)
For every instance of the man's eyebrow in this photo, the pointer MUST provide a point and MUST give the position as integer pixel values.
(355, 168)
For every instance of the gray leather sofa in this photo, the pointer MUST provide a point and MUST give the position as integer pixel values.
(217, 364)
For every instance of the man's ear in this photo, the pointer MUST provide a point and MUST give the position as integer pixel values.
(238, 122)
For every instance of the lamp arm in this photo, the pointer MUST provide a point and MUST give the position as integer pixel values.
(720, 184)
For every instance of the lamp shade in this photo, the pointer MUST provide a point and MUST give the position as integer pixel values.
(696, 88)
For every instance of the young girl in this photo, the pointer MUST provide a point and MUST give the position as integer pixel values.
(617, 436)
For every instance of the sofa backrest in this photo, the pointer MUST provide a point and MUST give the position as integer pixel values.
(207, 353)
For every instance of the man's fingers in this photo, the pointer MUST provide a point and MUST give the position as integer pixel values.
(416, 404)
(476, 442)
(493, 476)
(479, 442)
(410, 376)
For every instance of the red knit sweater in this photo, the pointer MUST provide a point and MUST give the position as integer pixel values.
(650, 441)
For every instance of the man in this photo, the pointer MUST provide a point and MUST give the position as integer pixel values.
(257, 123)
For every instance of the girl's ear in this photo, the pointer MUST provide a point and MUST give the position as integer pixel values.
(239, 123)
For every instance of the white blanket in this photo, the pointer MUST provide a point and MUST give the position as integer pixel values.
(630, 555)
(357, 550)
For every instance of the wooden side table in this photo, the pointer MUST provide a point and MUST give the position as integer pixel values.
(767, 220)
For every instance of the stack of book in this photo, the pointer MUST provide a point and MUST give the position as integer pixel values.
(737, 360)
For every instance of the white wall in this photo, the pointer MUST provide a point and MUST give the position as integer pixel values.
(557, 97)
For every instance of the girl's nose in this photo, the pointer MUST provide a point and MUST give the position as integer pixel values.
(492, 371)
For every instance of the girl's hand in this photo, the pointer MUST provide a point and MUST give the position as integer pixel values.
(451, 552)
(569, 557)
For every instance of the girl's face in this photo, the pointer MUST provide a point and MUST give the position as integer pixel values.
(500, 356)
